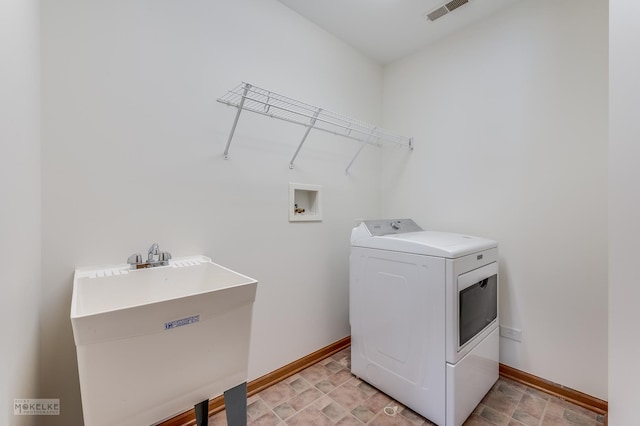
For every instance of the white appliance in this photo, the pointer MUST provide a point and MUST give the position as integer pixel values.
(424, 316)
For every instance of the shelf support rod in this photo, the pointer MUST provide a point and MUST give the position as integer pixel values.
(359, 151)
(354, 157)
(247, 86)
(309, 127)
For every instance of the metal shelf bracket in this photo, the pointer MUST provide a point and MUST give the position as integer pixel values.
(306, 133)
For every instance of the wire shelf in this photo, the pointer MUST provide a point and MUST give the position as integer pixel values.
(248, 97)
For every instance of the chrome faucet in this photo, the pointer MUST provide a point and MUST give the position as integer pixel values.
(136, 262)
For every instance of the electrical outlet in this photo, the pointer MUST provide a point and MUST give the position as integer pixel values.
(511, 333)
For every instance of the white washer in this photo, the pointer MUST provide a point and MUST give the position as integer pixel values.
(424, 316)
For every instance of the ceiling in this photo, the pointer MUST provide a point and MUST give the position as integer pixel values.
(386, 30)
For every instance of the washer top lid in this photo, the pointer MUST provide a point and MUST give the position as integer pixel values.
(429, 243)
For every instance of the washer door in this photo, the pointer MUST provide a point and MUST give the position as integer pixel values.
(475, 309)
(477, 306)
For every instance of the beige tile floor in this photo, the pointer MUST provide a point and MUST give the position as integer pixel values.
(327, 394)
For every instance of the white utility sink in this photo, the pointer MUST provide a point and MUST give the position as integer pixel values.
(154, 342)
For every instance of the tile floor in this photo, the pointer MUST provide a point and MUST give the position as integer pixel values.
(327, 394)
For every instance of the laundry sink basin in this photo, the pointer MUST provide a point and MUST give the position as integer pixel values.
(153, 342)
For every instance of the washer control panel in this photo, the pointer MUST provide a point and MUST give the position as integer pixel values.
(391, 226)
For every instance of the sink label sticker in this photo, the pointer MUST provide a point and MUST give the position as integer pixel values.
(184, 321)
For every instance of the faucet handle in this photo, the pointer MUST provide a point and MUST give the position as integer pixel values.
(164, 256)
(134, 259)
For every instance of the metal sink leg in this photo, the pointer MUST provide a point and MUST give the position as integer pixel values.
(235, 402)
(202, 413)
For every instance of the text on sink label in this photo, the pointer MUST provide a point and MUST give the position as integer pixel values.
(179, 323)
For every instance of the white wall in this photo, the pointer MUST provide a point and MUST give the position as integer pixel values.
(20, 192)
(624, 211)
(132, 154)
(510, 124)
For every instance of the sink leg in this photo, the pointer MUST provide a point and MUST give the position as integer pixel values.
(202, 413)
(235, 402)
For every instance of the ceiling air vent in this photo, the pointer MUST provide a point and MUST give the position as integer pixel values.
(445, 8)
